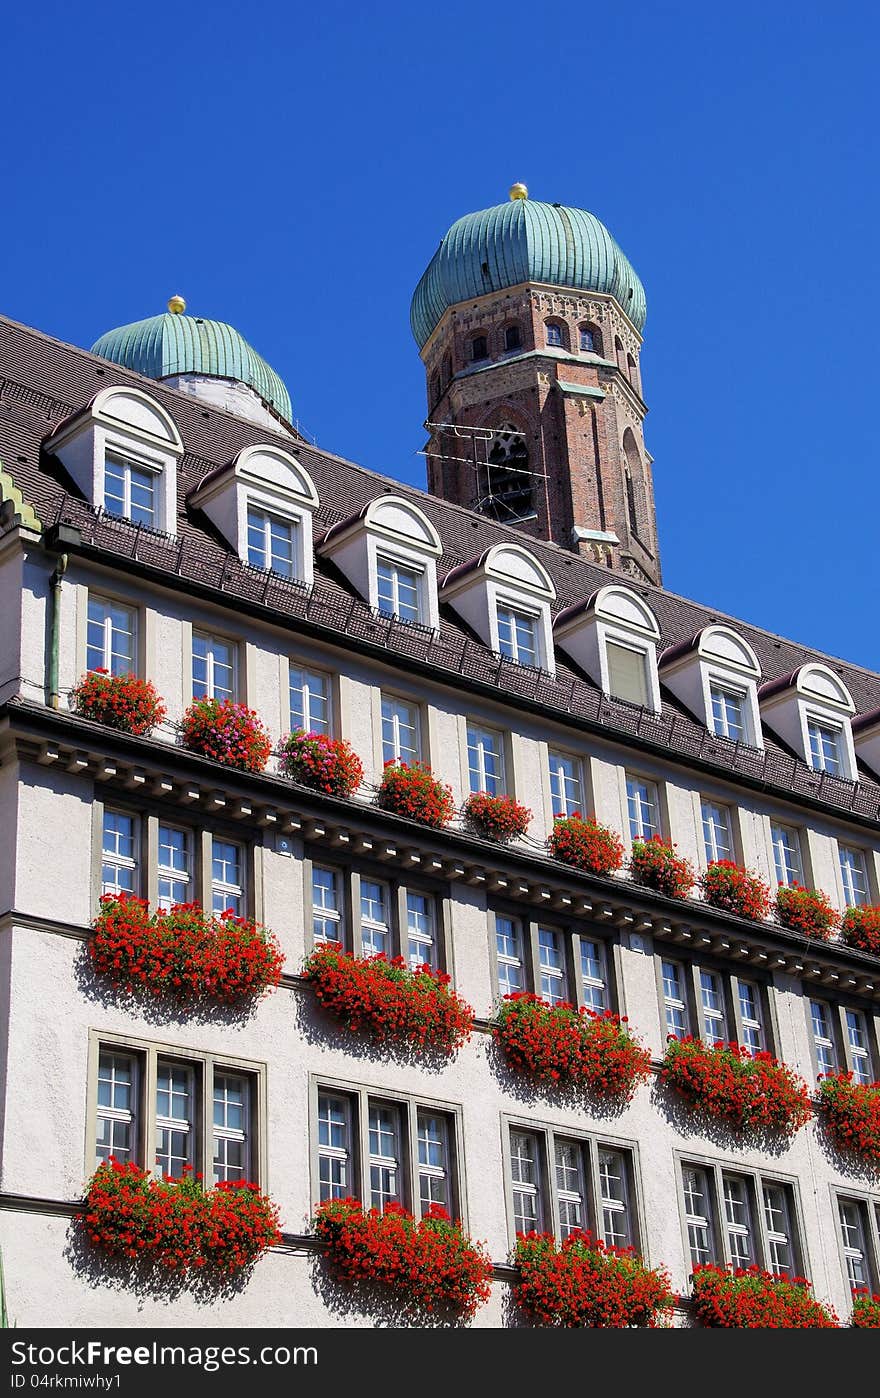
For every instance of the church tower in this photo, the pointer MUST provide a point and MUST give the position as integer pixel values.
(528, 319)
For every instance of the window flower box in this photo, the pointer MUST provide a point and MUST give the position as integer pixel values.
(585, 844)
(860, 927)
(866, 1311)
(561, 1046)
(186, 954)
(226, 732)
(389, 1001)
(178, 1224)
(748, 1298)
(324, 764)
(655, 864)
(428, 1265)
(582, 1283)
(496, 817)
(732, 889)
(119, 701)
(851, 1112)
(725, 1083)
(412, 790)
(805, 910)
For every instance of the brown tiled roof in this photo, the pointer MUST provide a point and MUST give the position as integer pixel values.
(42, 381)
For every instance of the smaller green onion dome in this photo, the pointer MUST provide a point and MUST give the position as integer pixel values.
(524, 241)
(173, 344)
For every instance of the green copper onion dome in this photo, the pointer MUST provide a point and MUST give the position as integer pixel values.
(175, 343)
(524, 241)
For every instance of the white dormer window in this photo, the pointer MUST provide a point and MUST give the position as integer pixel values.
(811, 710)
(518, 635)
(613, 636)
(262, 503)
(389, 554)
(716, 673)
(123, 451)
(272, 542)
(399, 590)
(505, 596)
(130, 490)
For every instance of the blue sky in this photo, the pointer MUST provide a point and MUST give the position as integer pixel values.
(291, 169)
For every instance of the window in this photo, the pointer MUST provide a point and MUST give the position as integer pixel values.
(859, 1221)
(826, 748)
(675, 999)
(725, 1007)
(594, 977)
(213, 667)
(739, 1218)
(509, 955)
(227, 876)
(554, 335)
(163, 1132)
(551, 962)
(119, 853)
(401, 736)
(712, 1008)
(518, 636)
(555, 962)
(787, 854)
(627, 673)
(561, 1181)
(272, 542)
(566, 785)
(512, 338)
(399, 590)
(175, 867)
(310, 706)
(327, 925)
(822, 1024)
(130, 491)
(421, 930)
(479, 348)
(859, 1054)
(409, 1148)
(375, 917)
(485, 760)
(854, 877)
(717, 837)
(110, 637)
(728, 712)
(643, 805)
(586, 339)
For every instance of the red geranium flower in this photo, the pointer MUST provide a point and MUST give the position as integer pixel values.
(322, 763)
(806, 910)
(120, 701)
(727, 1083)
(583, 1283)
(585, 844)
(226, 732)
(655, 864)
(496, 817)
(733, 889)
(559, 1045)
(748, 1298)
(412, 790)
(852, 1115)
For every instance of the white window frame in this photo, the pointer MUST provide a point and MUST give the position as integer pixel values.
(267, 517)
(127, 1117)
(514, 611)
(652, 801)
(183, 1126)
(505, 958)
(675, 1004)
(712, 851)
(644, 651)
(378, 931)
(867, 1207)
(853, 897)
(392, 751)
(590, 982)
(324, 913)
(600, 1207)
(313, 679)
(168, 873)
(775, 843)
(764, 1240)
(232, 1134)
(213, 640)
(713, 1020)
(553, 974)
(720, 725)
(111, 858)
(564, 805)
(415, 936)
(151, 470)
(335, 1154)
(223, 886)
(108, 630)
(482, 731)
(818, 728)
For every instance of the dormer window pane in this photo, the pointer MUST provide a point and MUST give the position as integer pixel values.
(728, 713)
(271, 542)
(787, 855)
(627, 673)
(518, 636)
(399, 590)
(826, 748)
(854, 876)
(129, 491)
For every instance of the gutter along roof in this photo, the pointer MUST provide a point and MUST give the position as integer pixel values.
(44, 380)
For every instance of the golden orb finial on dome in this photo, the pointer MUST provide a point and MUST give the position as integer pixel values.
(176, 305)
(519, 191)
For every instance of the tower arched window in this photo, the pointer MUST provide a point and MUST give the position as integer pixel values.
(587, 339)
(435, 388)
(619, 355)
(553, 333)
(446, 372)
(512, 338)
(505, 481)
(479, 348)
(633, 472)
(632, 372)
(631, 501)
